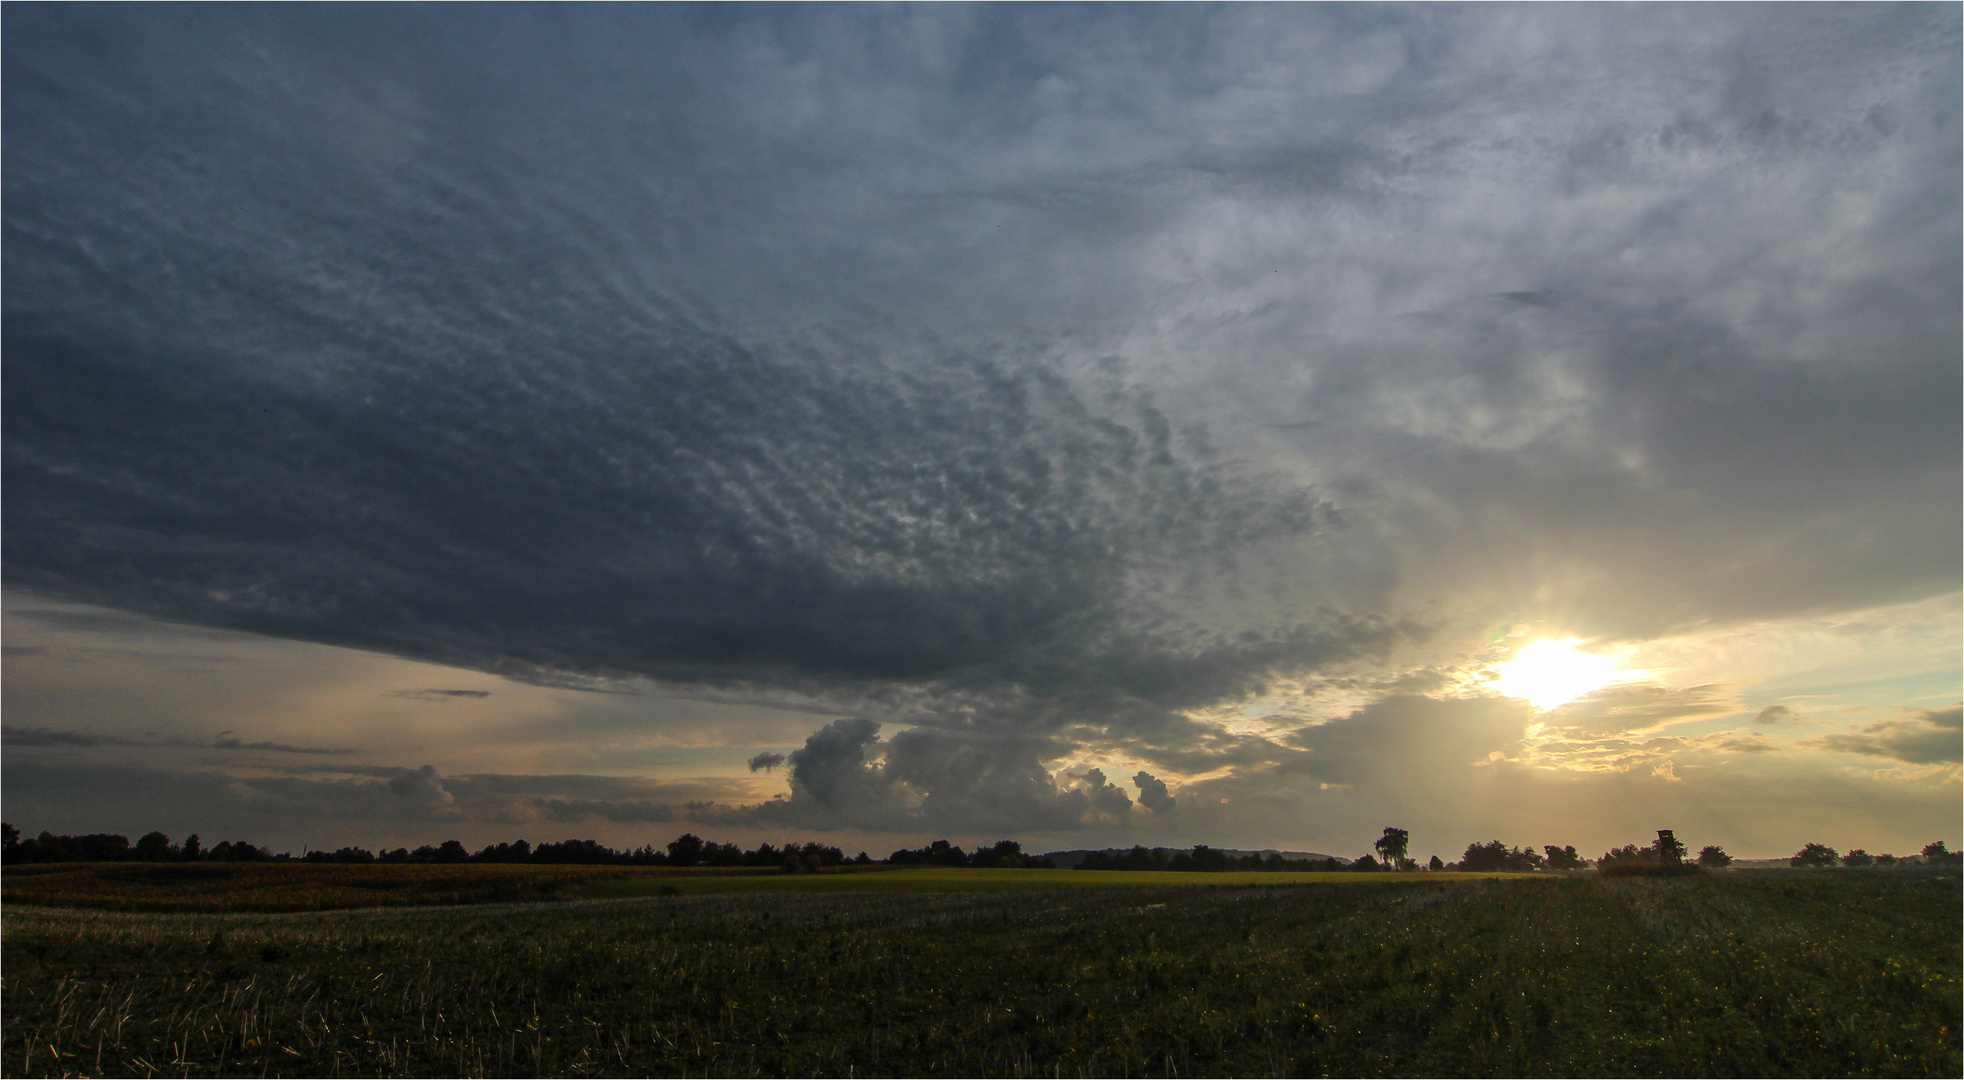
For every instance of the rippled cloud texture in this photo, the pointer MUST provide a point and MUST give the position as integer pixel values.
(994, 405)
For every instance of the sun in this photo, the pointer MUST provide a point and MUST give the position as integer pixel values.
(1550, 673)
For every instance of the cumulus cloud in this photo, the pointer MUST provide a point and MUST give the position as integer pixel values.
(1774, 714)
(846, 776)
(1152, 792)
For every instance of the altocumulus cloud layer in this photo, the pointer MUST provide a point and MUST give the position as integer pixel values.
(1052, 390)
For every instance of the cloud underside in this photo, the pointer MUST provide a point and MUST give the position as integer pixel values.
(1930, 737)
(1023, 382)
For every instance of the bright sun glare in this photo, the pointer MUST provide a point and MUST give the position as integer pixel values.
(1550, 673)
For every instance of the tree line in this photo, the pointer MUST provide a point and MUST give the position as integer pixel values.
(1938, 854)
(1664, 856)
(1667, 855)
(685, 850)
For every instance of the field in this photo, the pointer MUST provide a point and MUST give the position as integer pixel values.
(277, 887)
(882, 973)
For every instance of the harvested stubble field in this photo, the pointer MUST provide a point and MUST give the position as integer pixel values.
(1763, 973)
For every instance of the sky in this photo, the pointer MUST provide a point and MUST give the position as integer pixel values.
(1245, 425)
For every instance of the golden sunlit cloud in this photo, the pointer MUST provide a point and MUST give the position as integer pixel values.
(1550, 673)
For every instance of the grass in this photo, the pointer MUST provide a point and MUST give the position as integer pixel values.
(1778, 973)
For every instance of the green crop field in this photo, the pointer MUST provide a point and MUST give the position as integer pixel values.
(938, 880)
(274, 887)
(891, 973)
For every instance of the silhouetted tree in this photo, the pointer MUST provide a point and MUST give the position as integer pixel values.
(1815, 855)
(1858, 857)
(685, 850)
(1713, 857)
(1563, 858)
(1496, 856)
(193, 849)
(1391, 846)
(1435, 864)
(153, 847)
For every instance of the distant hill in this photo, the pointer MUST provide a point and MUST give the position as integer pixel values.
(1068, 860)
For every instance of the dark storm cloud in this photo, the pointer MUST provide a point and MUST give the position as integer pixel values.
(366, 368)
(846, 776)
(1034, 375)
(440, 695)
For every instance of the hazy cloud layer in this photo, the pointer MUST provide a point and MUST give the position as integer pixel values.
(41, 736)
(441, 695)
(1928, 738)
(408, 805)
(1035, 384)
